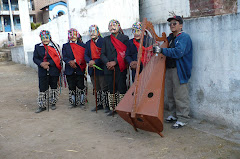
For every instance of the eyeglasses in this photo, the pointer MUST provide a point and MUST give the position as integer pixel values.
(174, 24)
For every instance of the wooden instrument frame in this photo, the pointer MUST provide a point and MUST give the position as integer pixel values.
(144, 109)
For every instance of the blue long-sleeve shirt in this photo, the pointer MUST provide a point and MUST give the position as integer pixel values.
(183, 55)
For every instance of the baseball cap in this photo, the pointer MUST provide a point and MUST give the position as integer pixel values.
(177, 18)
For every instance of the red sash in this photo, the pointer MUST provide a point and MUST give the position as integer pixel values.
(54, 55)
(78, 52)
(95, 51)
(121, 50)
(145, 51)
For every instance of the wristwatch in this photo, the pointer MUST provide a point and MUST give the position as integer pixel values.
(75, 61)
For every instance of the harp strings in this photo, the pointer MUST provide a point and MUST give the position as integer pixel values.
(148, 64)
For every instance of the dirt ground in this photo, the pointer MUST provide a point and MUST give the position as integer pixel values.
(80, 134)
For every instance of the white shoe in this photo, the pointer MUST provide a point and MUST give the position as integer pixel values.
(178, 124)
(170, 119)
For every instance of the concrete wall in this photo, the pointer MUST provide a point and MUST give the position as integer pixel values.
(18, 54)
(101, 12)
(30, 60)
(157, 11)
(45, 16)
(215, 82)
(238, 6)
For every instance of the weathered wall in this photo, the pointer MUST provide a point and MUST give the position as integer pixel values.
(18, 54)
(101, 12)
(45, 16)
(215, 83)
(157, 11)
(238, 6)
(212, 7)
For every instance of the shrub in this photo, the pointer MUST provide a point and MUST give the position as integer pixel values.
(35, 25)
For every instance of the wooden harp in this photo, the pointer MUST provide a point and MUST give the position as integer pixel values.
(143, 104)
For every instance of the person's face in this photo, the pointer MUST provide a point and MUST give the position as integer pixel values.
(73, 36)
(93, 33)
(113, 27)
(175, 26)
(137, 33)
(45, 39)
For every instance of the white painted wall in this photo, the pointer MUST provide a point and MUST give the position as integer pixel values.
(55, 10)
(157, 11)
(58, 29)
(101, 12)
(3, 38)
(24, 16)
(25, 22)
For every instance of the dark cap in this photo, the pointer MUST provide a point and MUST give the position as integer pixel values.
(177, 18)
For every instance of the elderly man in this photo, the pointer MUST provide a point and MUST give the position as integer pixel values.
(178, 72)
(113, 54)
(92, 57)
(48, 59)
(134, 44)
(75, 65)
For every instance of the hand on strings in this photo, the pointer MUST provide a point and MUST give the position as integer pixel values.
(72, 64)
(110, 65)
(91, 63)
(45, 65)
(133, 64)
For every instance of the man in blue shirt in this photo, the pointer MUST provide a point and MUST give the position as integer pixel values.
(178, 72)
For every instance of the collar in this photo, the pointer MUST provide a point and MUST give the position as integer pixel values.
(179, 33)
(50, 44)
(96, 40)
(73, 41)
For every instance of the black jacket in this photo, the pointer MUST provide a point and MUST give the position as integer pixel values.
(38, 55)
(88, 57)
(68, 56)
(109, 52)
